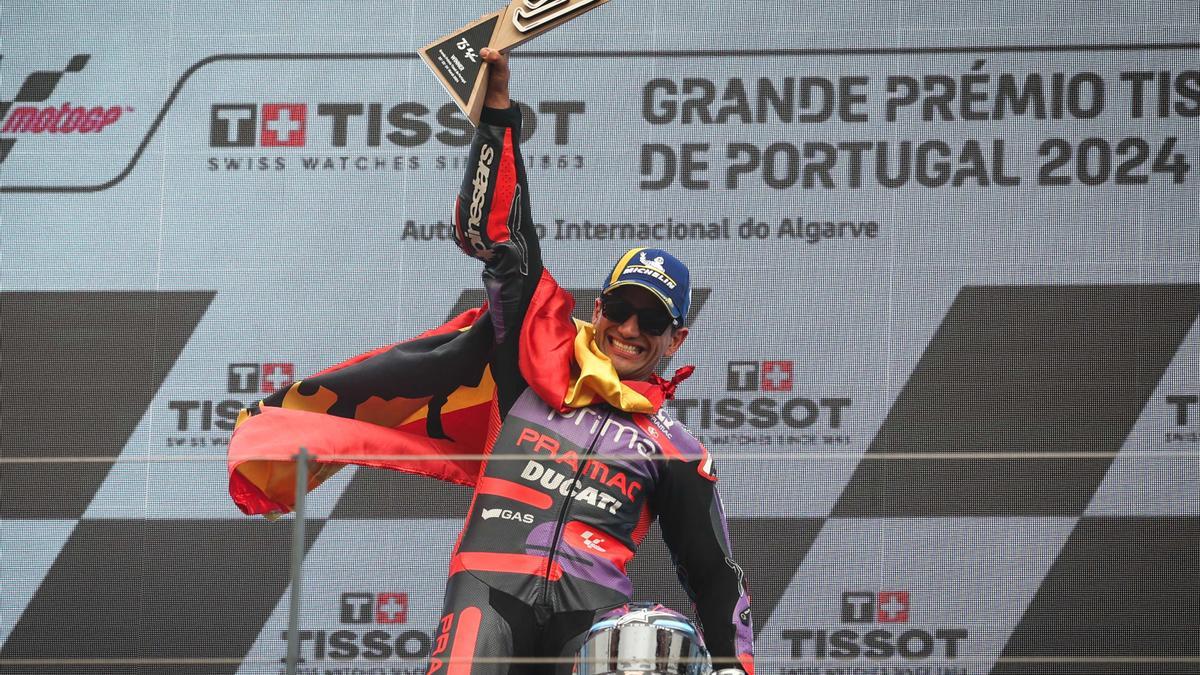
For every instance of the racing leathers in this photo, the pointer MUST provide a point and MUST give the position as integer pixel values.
(567, 494)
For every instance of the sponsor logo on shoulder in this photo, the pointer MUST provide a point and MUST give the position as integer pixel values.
(664, 423)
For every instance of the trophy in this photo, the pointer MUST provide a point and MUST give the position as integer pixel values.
(455, 59)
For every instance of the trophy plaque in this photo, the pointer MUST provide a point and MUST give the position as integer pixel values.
(455, 58)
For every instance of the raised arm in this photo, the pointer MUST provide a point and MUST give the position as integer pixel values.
(492, 222)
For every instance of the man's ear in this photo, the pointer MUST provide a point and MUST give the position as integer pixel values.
(677, 339)
(596, 312)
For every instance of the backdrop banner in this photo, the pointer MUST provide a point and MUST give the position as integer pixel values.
(945, 319)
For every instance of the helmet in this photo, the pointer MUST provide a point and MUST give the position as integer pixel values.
(643, 638)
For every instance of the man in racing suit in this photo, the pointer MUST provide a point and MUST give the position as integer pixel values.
(566, 498)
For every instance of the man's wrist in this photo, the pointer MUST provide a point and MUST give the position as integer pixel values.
(498, 102)
(507, 116)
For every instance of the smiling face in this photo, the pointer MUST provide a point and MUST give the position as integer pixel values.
(634, 353)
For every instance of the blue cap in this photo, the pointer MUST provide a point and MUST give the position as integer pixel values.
(657, 271)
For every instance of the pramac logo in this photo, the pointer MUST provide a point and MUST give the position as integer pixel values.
(534, 14)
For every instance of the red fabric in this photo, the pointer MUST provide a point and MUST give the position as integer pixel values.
(653, 392)
(547, 357)
(263, 438)
(249, 498)
(547, 347)
(643, 525)
(668, 386)
(327, 437)
(459, 322)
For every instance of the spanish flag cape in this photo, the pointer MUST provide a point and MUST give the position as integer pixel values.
(426, 406)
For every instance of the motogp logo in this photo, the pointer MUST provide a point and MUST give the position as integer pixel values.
(534, 14)
(26, 114)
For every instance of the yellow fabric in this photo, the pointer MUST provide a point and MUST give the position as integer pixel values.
(620, 266)
(597, 379)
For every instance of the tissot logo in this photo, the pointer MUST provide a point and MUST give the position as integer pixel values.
(765, 411)
(1184, 412)
(759, 376)
(358, 608)
(366, 632)
(283, 125)
(248, 382)
(1184, 408)
(867, 607)
(17, 116)
(239, 126)
(236, 125)
(882, 608)
(265, 378)
(341, 124)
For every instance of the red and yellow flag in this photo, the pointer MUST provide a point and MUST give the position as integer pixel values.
(425, 406)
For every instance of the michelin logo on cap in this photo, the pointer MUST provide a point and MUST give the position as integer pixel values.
(652, 268)
(659, 272)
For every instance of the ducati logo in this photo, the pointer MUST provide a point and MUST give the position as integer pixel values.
(534, 14)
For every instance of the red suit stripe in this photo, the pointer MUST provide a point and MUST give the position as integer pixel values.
(462, 654)
(506, 189)
(514, 491)
(514, 563)
(643, 525)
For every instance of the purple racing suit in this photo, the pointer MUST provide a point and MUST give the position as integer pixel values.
(566, 498)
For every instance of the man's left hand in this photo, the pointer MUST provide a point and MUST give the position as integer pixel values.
(498, 75)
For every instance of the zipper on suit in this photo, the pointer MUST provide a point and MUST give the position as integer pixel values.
(566, 506)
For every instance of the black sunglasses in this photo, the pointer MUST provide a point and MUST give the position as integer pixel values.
(618, 310)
